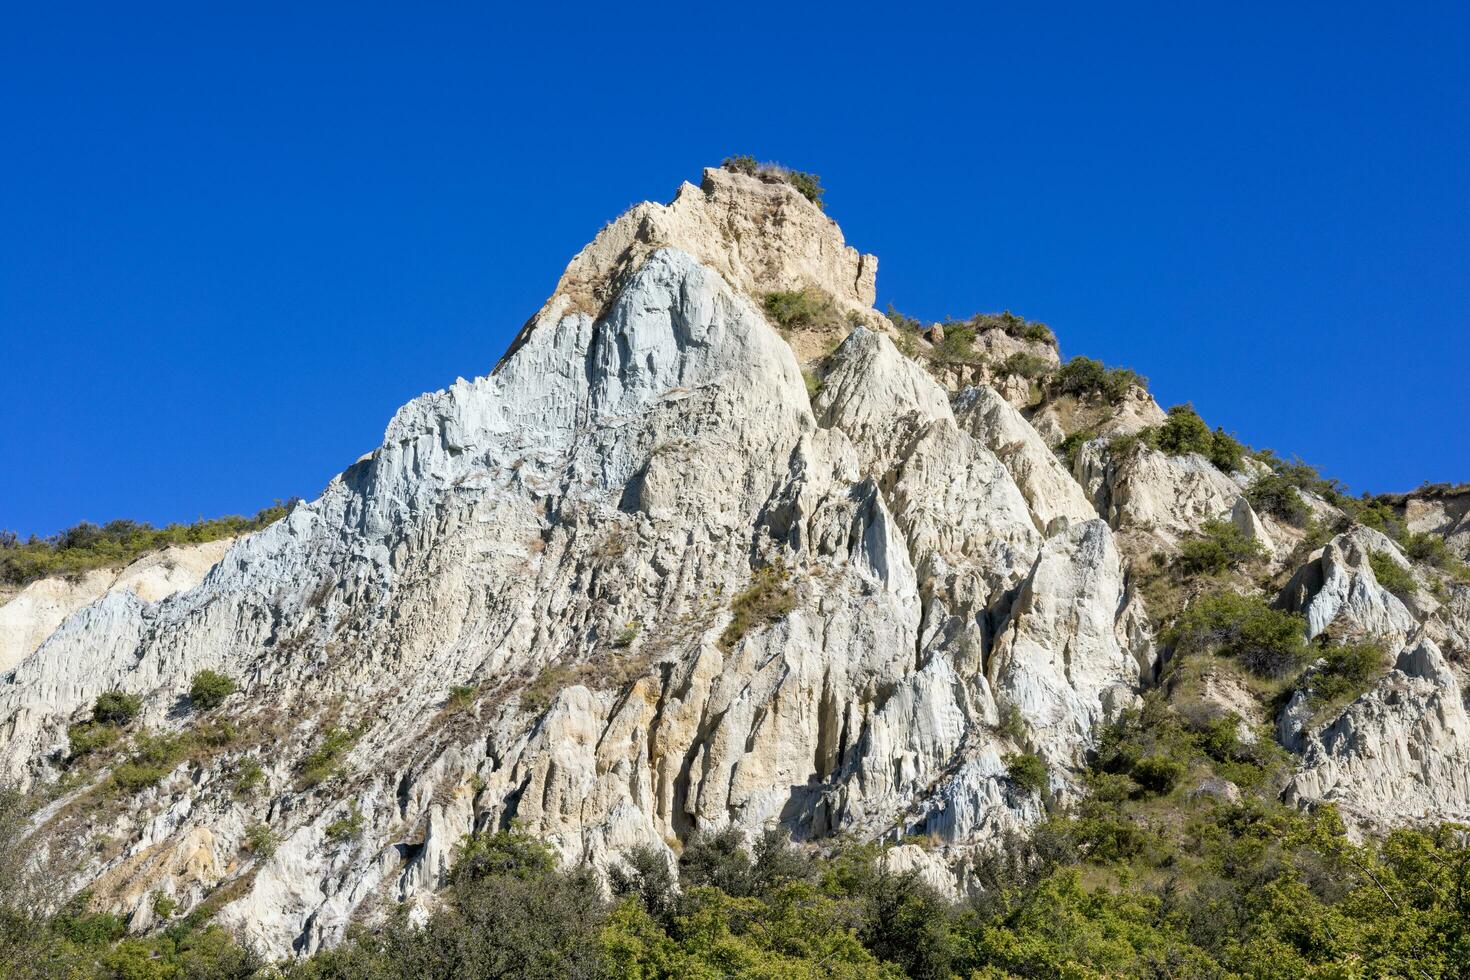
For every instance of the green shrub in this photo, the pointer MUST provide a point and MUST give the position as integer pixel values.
(1391, 575)
(742, 164)
(1220, 546)
(1024, 365)
(1011, 723)
(87, 737)
(769, 597)
(153, 757)
(501, 854)
(813, 384)
(958, 345)
(1226, 452)
(1028, 771)
(1274, 494)
(116, 708)
(906, 324)
(163, 906)
(209, 690)
(88, 546)
(1345, 672)
(1158, 774)
(1427, 548)
(1084, 377)
(809, 185)
(1269, 642)
(462, 695)
(260, 841)
(347, 827)
(1067, 450)
(323, 762)
(1183, 432)
(249, 776)
(802, 309)
(1123, 445)
(627, 634)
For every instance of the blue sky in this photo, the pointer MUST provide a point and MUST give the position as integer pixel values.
(232, 244)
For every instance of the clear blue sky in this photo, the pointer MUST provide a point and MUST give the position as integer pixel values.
(232, 243)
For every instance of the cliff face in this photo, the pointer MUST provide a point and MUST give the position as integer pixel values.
(639, 580)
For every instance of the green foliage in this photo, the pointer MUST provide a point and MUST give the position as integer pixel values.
(1067, 450)
(1391, 575)
(1274, 494)
(260, 841)
(153, 757)
(1430, 549)
(742, 164)
(1219, 547)
(163, 906)
(1085, 377)
(462, 695)
(1028, 771)
(769, 597)
(322, 762)
(1226, 452)
(249, 776)
(86, 546)
(116, 708)
(347, 827)
(906, 324)
(803, 309)
(1009, 324)
(813, 384)
(958, 345)
(87, 737)
(1344, 672)
(1183, 432)
(501, 854)
(1012, 723)
(809, 185)
(1269, 642)
(1024, 365)
(209, 689)
(1119, 888)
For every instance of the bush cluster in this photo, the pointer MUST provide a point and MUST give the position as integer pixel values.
(802, 309)
(1391, 575)
(809, 185)
(1024, 365)
(1269, 642)
(1185, 432)
(1028, 771)
(87, 546)
(1084, 377)
(1274, 494)
(1219, 547)
(209, 689)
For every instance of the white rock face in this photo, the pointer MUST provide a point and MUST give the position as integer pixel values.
(1050, 491)
(563, 544)
(1337, 589)
(33, 614)
(1400, 753)
(1148, 490)
(567, 534)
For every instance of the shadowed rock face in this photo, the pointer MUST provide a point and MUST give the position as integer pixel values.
(519, 607)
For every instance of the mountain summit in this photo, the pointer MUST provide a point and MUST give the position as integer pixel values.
(717, 544)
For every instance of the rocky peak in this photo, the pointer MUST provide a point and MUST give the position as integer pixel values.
(646, 579)
(760, 235)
